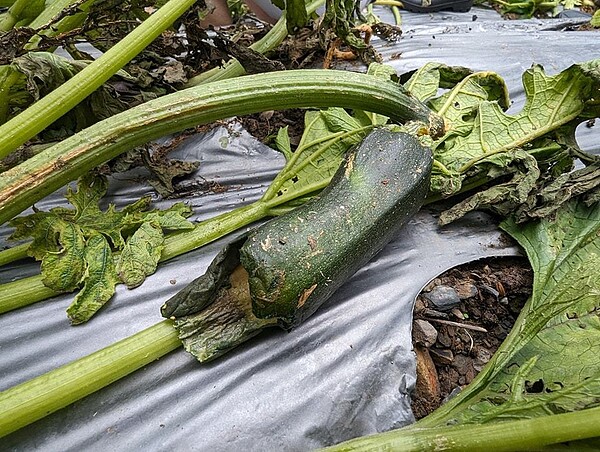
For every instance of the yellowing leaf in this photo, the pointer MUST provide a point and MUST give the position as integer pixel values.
(99, 281)
(141, 254)
(62, 270)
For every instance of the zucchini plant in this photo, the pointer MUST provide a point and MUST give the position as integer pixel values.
(471, 97)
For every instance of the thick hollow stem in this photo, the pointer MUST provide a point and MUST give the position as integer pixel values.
(36, 398)
(16, 253)
(49, 170)
(523, 434)
(23, 292)
(13, 15)
(52, 106)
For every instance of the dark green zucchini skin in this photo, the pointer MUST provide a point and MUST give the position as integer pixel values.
(295, 262)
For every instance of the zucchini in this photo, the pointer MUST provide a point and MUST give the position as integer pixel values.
(281, 272)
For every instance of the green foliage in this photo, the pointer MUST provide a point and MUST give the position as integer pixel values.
(95, 249)
(484, 143)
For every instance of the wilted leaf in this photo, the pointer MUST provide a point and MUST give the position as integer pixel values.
(141, 254)
(62, 270)
(173, 218)
(282, 141)
(100, 280)
(296, 15)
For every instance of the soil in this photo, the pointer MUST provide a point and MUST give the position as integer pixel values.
(492, 293)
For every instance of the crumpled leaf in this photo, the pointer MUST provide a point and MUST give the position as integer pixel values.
(504, 198)
(90, 189)
(141, 254)
(100, 279)
(479, 130)
(549, 362)
(74, 247)
(62, 270)
(552, 101)
(165, 170)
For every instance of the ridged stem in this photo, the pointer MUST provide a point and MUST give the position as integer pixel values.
(27, 183)
(40, 396)
(525, 434)
(48, 109)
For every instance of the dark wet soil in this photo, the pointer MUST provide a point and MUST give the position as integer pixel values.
(492, 293)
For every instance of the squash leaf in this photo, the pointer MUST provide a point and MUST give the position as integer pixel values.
(141, 254)
(484, 143)
(67, 240)
(100, 280)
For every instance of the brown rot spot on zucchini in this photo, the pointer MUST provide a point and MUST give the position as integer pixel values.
(281, 272)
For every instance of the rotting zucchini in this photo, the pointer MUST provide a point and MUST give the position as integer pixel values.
(281, 272)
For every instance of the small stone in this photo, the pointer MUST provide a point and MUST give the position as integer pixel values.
(424, 333)
(444, 338)
(443, 298)
(428, 384)
(431, 285)
(482, 356)
(419, 305)
(442, 356)
(433, 314)
(493, 292)
(466, 290)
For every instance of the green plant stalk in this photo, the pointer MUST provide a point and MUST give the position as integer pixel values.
(40, 396)
(55, 8)
(27, 183)
(16, 253)
(48, 109)
(65, 24)
(23, 292)
(523, 434)
(13, 15)
(272, 39)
